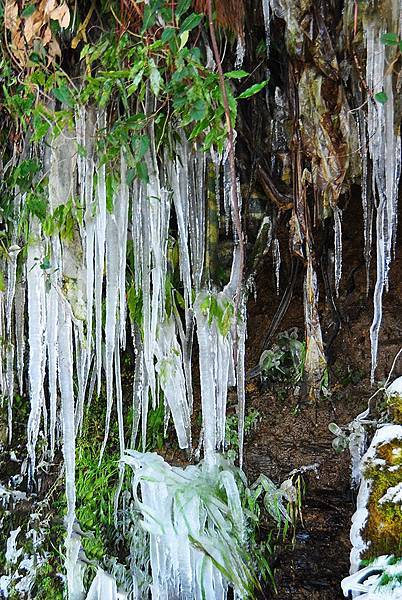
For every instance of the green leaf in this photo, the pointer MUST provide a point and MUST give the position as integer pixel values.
(381, 97)
(64, 95)
(81, 151)
(198, 110)
(136, 81)
(400, 45)
(40, 129)
(46, 264)
(390, 39)
(168, 34)
(191, 22)
(149, 17)
(28, 11)
(111, 187)
(254, 89)
(142, 171)
(2, 283)
(182, 7)
(236, 74)
(155, 78)
(183, 40)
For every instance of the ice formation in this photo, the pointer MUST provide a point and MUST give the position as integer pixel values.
(368, 583)
(383, 435)
(384, 143)
(104, 586)
(195, 524)
(74, 292)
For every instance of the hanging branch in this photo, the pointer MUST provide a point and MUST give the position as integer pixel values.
(232, 164)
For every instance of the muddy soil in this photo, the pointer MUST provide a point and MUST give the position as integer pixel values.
(293, 432)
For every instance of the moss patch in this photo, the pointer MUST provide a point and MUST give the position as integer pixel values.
(384, 525)
(394, 403)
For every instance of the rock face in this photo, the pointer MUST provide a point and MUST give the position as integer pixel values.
(377, 523)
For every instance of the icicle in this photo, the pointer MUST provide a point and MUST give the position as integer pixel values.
(179, 179)
(65, 371)
(104, 587)
(138, 382)
(100, 233)
(338, 246)
(112, 294)
(172, 381)
(216, 367)
(385, 152)
(267, 23)
(367, 203)
(13, 252)
(276, 251)
(52, 307)
(122, 224)
(19, 314)
(197, 216)
(86, 132)
(227, 196)
(241, 375)
(10, 387)
(36, 335)
(240, 52)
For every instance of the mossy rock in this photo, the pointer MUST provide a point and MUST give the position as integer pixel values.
(394, 401)
(382, 469)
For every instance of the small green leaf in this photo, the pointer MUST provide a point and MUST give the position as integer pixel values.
(134, 85)
(155, 78)
(183, 40)
(198, 110)
(40, 129)
(149, 19)
(168, 34)
(46, 264)
(236, 74)
(64, 95)
(390, 39)
(142, 171)
(254, 89)
(400, 45)
(191, 22)
(81, 151)
(2, 283)
(381, 97)
(182, 6)
(28, 11)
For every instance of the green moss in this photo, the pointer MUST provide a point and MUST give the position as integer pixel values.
(384, 524)
(394, 404)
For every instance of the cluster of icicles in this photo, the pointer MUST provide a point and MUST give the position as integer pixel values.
(71, 338)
